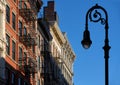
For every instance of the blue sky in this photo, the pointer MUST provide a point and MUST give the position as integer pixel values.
(89, 64)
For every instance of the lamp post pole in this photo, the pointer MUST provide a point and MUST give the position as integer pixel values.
(94, 15)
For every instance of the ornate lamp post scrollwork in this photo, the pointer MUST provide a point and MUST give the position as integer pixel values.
(94, 15)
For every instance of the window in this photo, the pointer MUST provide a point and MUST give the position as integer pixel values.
(13, 21)
(38, 82)
(8, 44)
(20, 4)
(7, 13)
(13, 79)
(25, 83)
(25, 31)
(25, 58)
(25, 6)
(38, 60)
(20, 28)
(7, 74)
(39, 41)
(13, 50)
(20, 55)
(14, 0)
(19, 81)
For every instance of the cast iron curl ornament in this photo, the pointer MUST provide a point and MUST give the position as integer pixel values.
(94, 15)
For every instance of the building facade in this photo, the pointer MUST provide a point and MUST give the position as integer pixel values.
(68, 57)
(18, 25)
(61, 50)
(33, 51)
(2, 41)
(45, 60)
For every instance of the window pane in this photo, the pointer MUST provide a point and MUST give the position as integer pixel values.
(25, 58)
(13, 50)
(39, 41)
(7, 13)
(25, 6)
(20, 28)
(20, 4)
(7, 74)
(13, 20)
(14, 0)
(25, 31)
(20, 56)
(13, 79)
(19, 81)
(8, 44)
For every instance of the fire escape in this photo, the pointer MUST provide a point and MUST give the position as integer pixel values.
(28, 10)
(46, 64)
(28, 65)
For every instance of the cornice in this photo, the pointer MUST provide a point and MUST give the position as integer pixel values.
(57, 32)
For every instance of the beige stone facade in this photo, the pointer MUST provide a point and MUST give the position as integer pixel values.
(2, 41)
(61, 49)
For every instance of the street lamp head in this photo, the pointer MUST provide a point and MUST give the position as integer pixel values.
(86, 42)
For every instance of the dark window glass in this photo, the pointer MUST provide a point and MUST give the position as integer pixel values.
(39, 62)
(20, 55)
(20, 28)
(7, 74)
(19, 81)
(25, 58)
(25, 6)
(13, 20)
(38, 82)
(8, 44)
(39, 41)
(13, 50)
(7, 13)
(13, 79)
(25, 31)
(14, 0)
(20, 4)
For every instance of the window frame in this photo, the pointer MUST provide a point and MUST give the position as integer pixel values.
(14, 1)
(25, 58)
(13, 50)
(13, 20)
(19, 81)
(20, 55)
(20, 4)
(13, 78)
(25, 31)
(8, 44)
(20, 28)
(25, 6)
(7, 13)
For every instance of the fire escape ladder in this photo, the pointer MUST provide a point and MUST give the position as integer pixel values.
(32, 29)
(22, 63)
(31, 66)
(27, 40)
(27, 10)
(28, 13)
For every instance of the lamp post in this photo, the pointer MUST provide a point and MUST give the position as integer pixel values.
(94, 15)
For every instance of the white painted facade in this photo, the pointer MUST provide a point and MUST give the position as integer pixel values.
(2, 38)
(57, 41)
